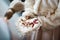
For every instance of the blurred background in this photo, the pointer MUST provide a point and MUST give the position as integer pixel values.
(8, 30)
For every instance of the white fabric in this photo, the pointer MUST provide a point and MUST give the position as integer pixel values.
(24, 29)
(43, 8)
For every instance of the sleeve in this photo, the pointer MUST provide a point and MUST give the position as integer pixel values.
(36, 6)
(29, 9)
(53, 21)
(55, 18)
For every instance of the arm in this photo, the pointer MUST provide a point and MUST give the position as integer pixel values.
(15, 6)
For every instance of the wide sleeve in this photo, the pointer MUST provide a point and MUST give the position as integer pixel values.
(56, 18)
(51, 21)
